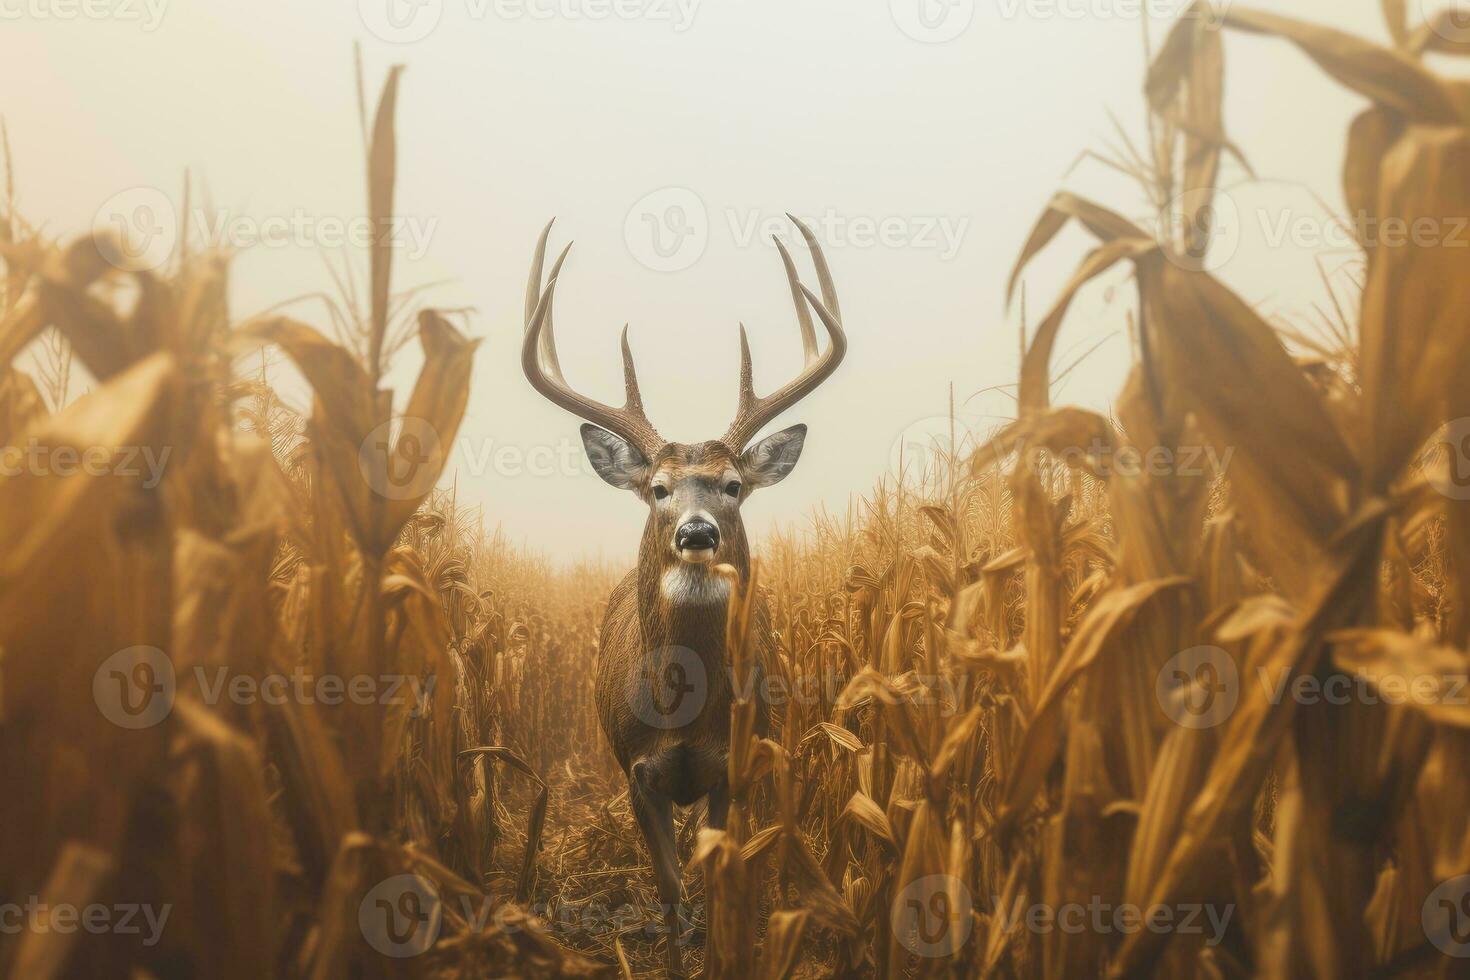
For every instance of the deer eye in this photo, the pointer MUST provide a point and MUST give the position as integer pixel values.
(660, 491)
(733, 488)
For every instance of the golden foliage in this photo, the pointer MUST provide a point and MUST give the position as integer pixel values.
(984, 709)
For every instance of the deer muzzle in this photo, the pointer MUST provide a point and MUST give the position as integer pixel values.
(696, 539)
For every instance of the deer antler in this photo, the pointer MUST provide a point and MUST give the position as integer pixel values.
(753, 412)
(543, 369)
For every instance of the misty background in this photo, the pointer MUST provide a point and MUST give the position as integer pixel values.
(920, 139)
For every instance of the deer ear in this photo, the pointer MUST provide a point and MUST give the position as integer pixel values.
(770, 460)
(614, 458)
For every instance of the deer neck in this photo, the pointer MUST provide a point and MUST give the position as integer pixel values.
(684, 603)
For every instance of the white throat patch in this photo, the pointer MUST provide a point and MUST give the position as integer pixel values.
(695, 585)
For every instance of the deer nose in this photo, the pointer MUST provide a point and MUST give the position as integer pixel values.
(697, 535)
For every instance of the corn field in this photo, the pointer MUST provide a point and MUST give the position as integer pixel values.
(1032, 712)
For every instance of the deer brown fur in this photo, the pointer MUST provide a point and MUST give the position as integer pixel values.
(664, 685)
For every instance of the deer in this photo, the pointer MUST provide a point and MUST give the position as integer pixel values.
(663, 687)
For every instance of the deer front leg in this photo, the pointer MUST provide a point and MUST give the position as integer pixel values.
(655, 813)
(719, 804)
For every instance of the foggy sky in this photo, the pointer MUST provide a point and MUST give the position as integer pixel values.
(668, 137)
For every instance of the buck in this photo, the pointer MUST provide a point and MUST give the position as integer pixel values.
(663, 687)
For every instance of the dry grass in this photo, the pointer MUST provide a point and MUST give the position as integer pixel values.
(969, 717)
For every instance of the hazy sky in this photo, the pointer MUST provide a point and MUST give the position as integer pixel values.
(921, 138)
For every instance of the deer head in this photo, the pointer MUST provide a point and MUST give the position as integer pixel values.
(693, 490)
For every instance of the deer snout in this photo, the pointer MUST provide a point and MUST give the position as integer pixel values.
(697, 539)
